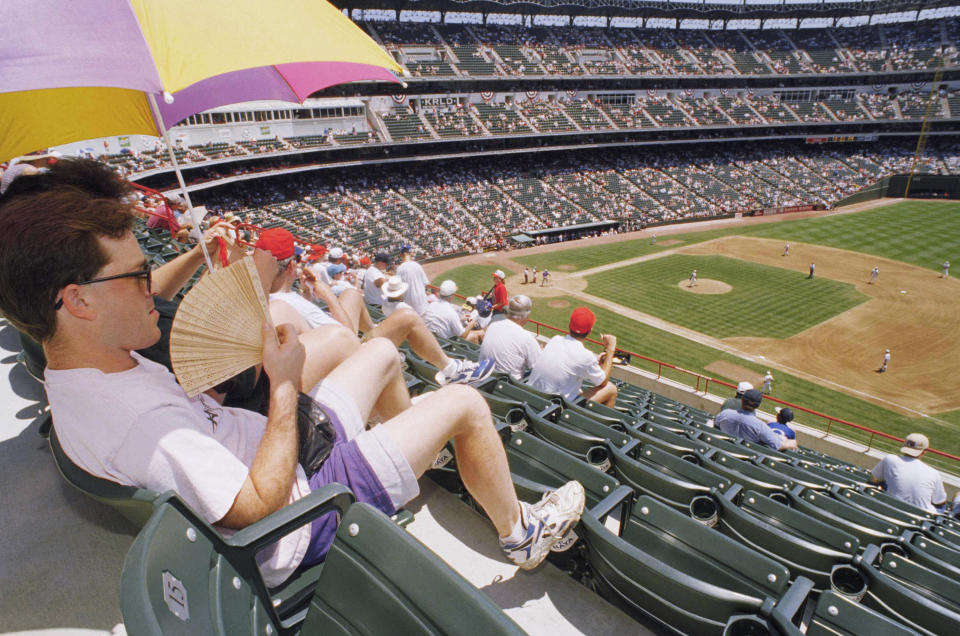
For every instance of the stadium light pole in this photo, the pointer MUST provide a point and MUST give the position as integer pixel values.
(922, 141)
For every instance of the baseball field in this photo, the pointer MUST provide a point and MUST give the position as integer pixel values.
(754, 309)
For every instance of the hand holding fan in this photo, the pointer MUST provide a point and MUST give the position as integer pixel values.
(217, 332)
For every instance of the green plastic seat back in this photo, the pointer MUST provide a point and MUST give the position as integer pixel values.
(805, 545)
(836, 615)
(379, 580)
(135, 504)
(588, 424)
(537, 466)
(866, 527)
(574, 442)
(664, 476)
(514, 392)
(422, 369)
(934, 554)
(719, 441)
(940, 589)
(674, 443)
(880, 509)
(177, 580)
(747, 474)
(910, 510)
(797, 475)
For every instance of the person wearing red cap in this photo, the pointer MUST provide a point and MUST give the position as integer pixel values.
(565, 362)
(274, 257)
(500, 296)
(123, 418)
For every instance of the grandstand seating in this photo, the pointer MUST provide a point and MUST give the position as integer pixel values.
(404, 124)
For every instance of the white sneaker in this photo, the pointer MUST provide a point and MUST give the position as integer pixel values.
(468, 372)
(547, 521)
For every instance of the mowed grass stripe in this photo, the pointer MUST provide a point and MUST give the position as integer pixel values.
(471, 280)
(923, 233)
(766, 301)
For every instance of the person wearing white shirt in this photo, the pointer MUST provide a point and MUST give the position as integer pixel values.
(413, 275)
(565, 362)
(513, 349)
(374, 278)
(338, 283)
(442, 318)
(909, 479)
(393, 292)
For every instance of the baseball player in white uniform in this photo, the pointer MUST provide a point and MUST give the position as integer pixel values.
(946, 270)
(767, 382)
(873, 275)
(786, 249)
(693, 279)
(886, 361)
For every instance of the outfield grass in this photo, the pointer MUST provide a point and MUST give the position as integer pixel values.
(765, 301)
(471, 279)
(923, 233)
(661, 345)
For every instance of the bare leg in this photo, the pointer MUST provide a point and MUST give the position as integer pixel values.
(406, 324)
(327, 347)
(475, 336)
(604, 394)
(459, 412)
(372, 378)
(352, 302)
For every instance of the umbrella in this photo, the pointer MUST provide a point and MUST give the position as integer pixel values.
(91, 68)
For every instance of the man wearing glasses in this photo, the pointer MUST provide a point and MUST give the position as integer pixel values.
(73, 277)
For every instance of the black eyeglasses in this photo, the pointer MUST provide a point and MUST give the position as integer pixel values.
(145, 272)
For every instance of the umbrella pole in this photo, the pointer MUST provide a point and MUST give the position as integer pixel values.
(183, 185)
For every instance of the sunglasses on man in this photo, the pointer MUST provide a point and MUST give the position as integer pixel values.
(144, 273)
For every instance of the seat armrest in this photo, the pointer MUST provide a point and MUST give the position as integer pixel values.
(292, 516)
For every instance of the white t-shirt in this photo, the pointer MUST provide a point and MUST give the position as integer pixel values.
(139, 428)
(482, 321)
(512, 348)
(340, 286)
(313, 315)
(909, 479)
(413, 275)
(390, 306)
(563, 364)
(371, 293)
(443, 319)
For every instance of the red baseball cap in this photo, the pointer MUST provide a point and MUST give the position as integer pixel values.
(277, 241)
(582, 321)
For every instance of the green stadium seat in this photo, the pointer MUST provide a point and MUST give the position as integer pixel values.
(866, 527)
(900, 516)
(181, 577)
(683, 574)
(806, 546)
(795, 474)
(747, 474)
(505, 388)
(930, 553)
(578, 444)
(910, 593)
(836, 615)
(666, 477)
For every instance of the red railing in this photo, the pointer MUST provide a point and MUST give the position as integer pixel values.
(696, 379)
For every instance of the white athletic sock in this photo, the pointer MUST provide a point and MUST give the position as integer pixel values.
(519, 531)
(451, 368)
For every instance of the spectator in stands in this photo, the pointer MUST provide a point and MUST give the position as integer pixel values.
(782, 425)
(734, 402)
(413, 275)
(123, 418)
(393, 292)
(374, 278)
(909, 479)
(513, 349)
(442, 317)
(500, 297)
(743, 423)
(565, 363)
(337, 273)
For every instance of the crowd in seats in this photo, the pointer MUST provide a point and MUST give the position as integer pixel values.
(880, 106)
(533, 51)
(704, 110)
(739, 110)
(501, 119)
(913, 105)
(405, 125)
(452, 121)
(546, 116)
(586, 114)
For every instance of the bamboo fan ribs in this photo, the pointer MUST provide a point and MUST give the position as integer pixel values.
(217, 332)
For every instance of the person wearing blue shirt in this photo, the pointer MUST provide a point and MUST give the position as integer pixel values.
(743, 423)
(782, 425)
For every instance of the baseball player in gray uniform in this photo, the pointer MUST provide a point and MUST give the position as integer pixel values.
(946, 270)
(873, 275)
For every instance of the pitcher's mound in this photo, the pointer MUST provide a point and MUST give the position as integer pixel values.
(705, 286)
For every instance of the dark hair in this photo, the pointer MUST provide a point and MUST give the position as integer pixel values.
(50, 225)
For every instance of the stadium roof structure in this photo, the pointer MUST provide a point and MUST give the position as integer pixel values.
(703, 9)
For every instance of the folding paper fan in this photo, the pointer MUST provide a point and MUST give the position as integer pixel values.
(217, 332)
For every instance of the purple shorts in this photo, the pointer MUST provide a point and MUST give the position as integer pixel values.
(366, 462)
